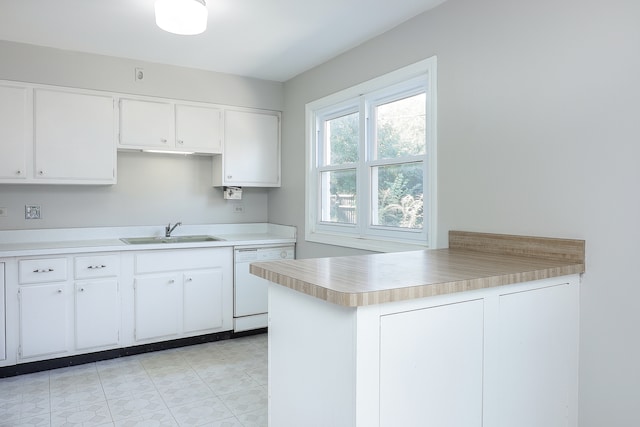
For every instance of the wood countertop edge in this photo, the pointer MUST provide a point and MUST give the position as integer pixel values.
(541, 258)
(357, 299)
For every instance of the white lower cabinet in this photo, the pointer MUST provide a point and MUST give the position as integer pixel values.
(97, 301)
(97, 315)
(44, 315)
(65, 305)
(203, 299)
(431, 366)
(59, 316)
(180, 293)
(157, 306)
(537, 358)
(499, 357)
(3, 353)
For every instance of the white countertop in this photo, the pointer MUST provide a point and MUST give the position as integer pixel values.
(15, 243)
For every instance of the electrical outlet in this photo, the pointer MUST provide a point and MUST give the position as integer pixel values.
(32, 212)
(139, 77)
(3, 211)
(238, 209)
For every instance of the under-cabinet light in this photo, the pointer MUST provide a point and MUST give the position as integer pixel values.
(167, 152)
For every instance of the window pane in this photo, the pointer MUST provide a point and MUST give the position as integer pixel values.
(338, 200)
(342, 139)
(400, 127)
(397, 195)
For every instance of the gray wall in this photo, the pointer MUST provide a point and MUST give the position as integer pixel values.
(151, 189)
(538, 127)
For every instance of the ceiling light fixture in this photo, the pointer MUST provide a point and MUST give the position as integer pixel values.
(184, 17)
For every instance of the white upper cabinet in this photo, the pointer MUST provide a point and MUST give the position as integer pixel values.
(15, 138)
(146, 124)
(198, 128)
(74, 137)
(251, 153)
(169, 126)
(52, 135)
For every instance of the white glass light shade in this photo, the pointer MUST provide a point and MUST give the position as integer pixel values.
(185, 17)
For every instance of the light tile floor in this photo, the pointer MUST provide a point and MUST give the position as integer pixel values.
(220, 384)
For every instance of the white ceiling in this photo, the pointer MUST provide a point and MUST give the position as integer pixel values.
(267, 39)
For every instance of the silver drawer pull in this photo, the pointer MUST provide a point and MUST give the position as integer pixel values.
(43, 270)
(59, 291)
(81, 289)
(96, 267)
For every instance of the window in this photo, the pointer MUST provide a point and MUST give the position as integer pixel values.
(371, 162)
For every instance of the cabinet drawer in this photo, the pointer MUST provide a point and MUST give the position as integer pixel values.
(42, 270)
(88, 267)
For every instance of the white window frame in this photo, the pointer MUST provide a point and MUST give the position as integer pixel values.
(363, 235)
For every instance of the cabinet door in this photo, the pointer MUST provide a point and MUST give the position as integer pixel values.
(431, 366)
(202, 300)
(97, 315)
(74, 137)
(158, 306)
(251, 149)
(43, 319)
(3, 351)
(146, 124)
(14, 138)
(538, 357)
(198, 129)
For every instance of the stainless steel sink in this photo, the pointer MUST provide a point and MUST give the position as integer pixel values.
(175, 239)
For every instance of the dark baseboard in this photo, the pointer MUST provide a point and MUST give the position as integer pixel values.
(79, 359)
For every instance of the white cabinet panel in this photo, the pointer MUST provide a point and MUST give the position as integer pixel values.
(202, 300)
(198, 128)
(3, 342)
(74, 136)
(146, 124)
(14, 134)
(157, 306)
(97, 314)
(538, 350)
(251, 154)
(43, 319)
(431, 366)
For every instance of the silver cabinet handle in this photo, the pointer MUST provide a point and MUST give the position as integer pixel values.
(43, 270)
(172, 281)
(81, 289)
(41, 173)
(19, 172)
(96, 267)
(59, 291)
(189, 279)
(163, 140)
(180, 142)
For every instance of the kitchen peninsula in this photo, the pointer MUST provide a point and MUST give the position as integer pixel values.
(484, 333)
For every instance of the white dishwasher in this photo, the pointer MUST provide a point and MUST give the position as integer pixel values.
(249, 291)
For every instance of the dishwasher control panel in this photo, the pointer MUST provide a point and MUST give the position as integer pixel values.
(264, 254)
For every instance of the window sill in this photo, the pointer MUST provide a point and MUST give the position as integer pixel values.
(365, 244)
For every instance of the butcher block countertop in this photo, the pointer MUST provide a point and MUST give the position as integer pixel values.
(472, 261)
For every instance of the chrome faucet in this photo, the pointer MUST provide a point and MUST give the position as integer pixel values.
(169, 229)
